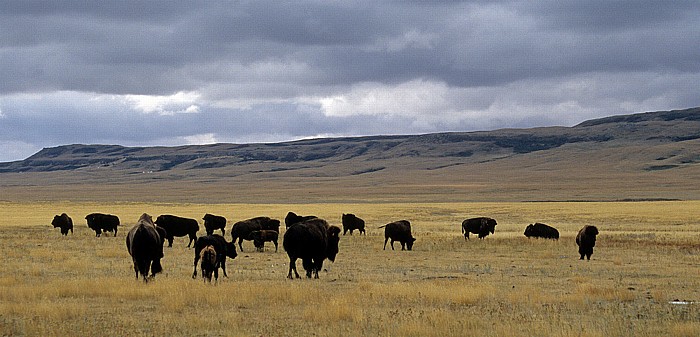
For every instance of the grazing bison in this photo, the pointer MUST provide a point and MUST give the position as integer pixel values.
(64, 222)
(586, 241)
(145, 244)
(312, 241)
(241, 230)
(102, 223)
(293, 218)
(223, 249)
(212, 222)
(480, 226)
(261, 236)
(351, 223)
(399, 231)
(209, 263)
(540, 230)
(178, 226)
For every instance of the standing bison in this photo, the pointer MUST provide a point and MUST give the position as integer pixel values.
(312, 241)
(209, 264)
(223, 249)
(540, 230)
(64, 222)
(586, 241)
(102, 223)
(241, 230)
(293, 218)
(480, 226)
(261, 236)
(178, 226)
(351, 223)
(399, 231)
(213, 222)
(145, 245)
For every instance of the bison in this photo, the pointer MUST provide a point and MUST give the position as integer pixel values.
(145, 245)
(540, 230)
(293, 218)
(586, 241)
(102, 223)
(312, 241)
(241, 230)
(209, 263)
(261, 236)
(399, 231)
(351, 223)
(178, 226)
(64, 222)
(480, 226)
(223, 249)
(212, 222)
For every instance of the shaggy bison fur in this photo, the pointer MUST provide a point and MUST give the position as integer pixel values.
(64, 222)
(102, 223)
(209, 263)
(241, 230)
(293, 218)
(399, 231)
(312, 241)
(145, 245)
(586, 241)
(540, 230)
(480, 226)
(223, 249)
(351, 223)
(213, 222)
(178, 226)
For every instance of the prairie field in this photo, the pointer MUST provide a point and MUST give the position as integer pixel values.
(643, 278)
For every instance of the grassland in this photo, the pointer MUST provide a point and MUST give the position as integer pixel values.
(648, 254)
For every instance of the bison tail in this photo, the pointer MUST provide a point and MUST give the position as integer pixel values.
(381, 226)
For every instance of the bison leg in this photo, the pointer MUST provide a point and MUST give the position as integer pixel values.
(240, 243)
(385, 240)
(403, 245)
(115, 231)
(196, 259)
(345, 230)
(392, 244)
(275, 242)
(170, 241)
(223, 266)
(223, 232)
(292, 267)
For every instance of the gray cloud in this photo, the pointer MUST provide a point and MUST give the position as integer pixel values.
(276, 70)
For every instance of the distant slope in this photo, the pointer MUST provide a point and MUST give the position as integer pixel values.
(646, 155)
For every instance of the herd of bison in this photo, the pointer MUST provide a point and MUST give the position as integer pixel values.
(308, 238)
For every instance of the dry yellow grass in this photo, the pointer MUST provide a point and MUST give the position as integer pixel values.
(648, 254)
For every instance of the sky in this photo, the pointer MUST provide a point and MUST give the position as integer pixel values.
(173, 72)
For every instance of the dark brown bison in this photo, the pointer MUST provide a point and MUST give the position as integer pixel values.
(586, 241)
(241, 230)
(223, 249)
(64, 222)
(261, 236)
(209, 263)
(480, 226)
(312, 241)
(293, 218)
(145, 245)
(351, 223)
(540, 230)
(399, 231)
(213, 222)
(178, 226)
(102, 223)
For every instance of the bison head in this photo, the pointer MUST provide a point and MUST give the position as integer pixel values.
(528, 230)
(56, 221)
(332, 244)
(592, 231)
(409, 243)
(231, 249)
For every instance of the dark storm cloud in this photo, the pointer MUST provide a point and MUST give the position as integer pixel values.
(274, 70)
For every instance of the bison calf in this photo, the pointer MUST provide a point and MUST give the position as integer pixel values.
(540, 230)
(223, 249)
(586, 241)
(241, 230)
(399, 231)
(64, 222)
(261, 236)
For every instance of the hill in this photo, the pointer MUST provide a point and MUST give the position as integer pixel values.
(651, 155)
